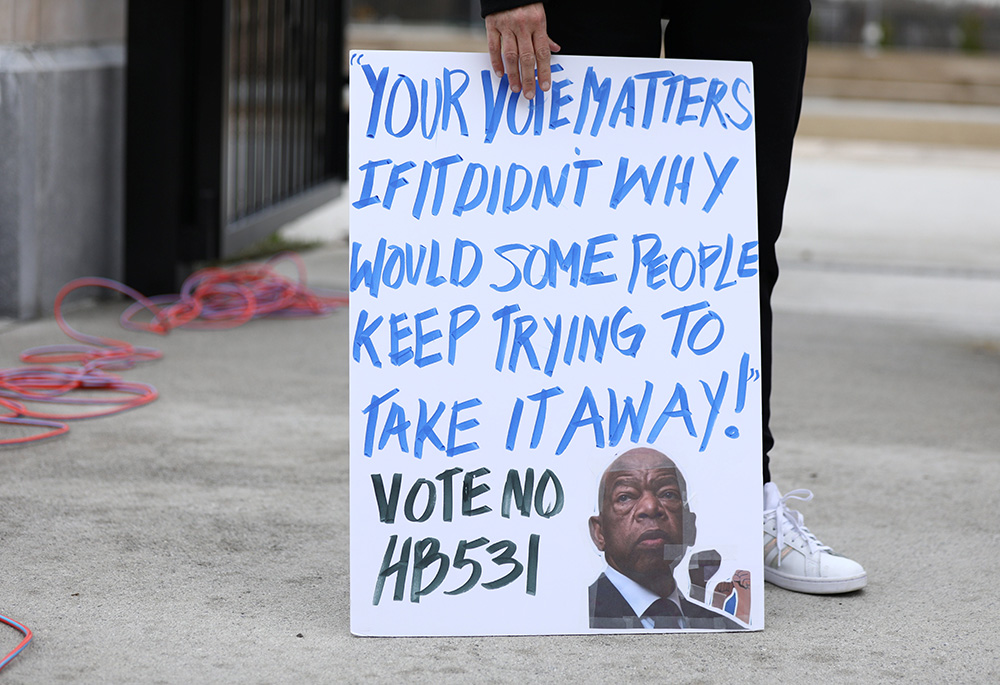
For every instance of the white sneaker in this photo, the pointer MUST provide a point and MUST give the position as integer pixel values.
(794, 559)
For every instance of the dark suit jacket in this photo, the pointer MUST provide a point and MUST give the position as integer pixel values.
(609, 610)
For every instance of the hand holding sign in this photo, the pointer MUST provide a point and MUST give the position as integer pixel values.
(518, 45)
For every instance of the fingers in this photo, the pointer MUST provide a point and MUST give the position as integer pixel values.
(526, 63)
(518, 45)
(519, 62)
(543, 60)
(514, 55)
(493, 42)
(721, 593)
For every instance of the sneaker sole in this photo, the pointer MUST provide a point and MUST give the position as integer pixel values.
(815, 586)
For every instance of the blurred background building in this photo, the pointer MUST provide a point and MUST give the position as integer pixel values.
(140, 139)
(907, 24)
(62, 154)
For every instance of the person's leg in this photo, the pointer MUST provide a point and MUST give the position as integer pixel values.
(774, 37)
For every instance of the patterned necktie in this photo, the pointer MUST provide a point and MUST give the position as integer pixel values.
(665, 614)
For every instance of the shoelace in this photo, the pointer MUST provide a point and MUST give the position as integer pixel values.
(793, 519)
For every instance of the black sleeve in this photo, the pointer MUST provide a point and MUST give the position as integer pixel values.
(491, 6)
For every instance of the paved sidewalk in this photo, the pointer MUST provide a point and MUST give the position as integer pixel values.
(204, 538)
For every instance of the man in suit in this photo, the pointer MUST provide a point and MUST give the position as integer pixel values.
(644, 527)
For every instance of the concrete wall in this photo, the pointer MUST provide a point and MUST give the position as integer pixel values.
(62, 116)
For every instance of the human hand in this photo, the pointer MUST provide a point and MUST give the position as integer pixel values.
(721, 593)
(703, 566)
(741, 583)
(519, 44)
(741, 579)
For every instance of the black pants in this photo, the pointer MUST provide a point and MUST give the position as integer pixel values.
(772, 34)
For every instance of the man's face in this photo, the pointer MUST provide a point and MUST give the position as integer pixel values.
(640, 527)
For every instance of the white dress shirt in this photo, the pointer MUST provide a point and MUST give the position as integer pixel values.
(640, 598)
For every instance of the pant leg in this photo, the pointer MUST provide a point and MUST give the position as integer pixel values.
(774, 36)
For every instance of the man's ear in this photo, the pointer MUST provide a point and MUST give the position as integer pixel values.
(596, 534)
(690, 528)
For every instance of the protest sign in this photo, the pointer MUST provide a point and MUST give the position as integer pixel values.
(537, 288)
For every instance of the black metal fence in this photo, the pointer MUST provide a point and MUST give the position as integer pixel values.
(236, 125)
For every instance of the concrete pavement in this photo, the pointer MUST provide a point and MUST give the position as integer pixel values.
(204, 537)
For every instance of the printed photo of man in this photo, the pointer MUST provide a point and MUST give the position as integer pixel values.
(644, 527)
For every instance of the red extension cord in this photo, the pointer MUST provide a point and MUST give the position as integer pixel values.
(24, 643)
(210, 299)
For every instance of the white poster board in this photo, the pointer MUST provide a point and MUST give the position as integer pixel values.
(538, 287)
